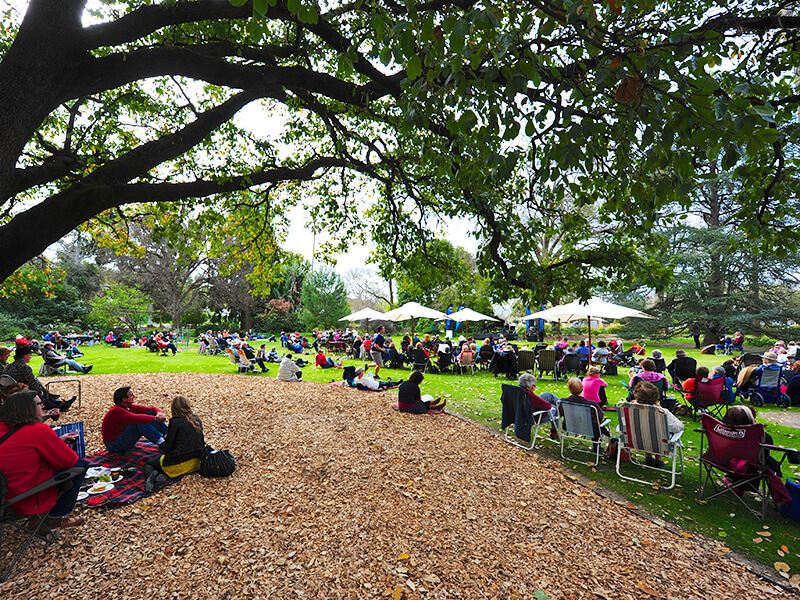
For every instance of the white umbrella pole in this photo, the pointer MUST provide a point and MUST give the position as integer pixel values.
(590, 339)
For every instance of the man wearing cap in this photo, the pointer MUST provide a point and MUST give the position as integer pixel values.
(125, 423)
(21, 372)
(682, 367)
(55, 360)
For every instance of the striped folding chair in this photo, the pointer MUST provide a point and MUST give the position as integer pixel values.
(644, 428)
(580, 423)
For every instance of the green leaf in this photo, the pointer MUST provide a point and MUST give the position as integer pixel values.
(260, 7)
(414, 67)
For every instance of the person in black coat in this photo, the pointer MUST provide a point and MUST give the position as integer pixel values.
(182, 448)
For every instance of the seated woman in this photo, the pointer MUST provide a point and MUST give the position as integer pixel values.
(593, 387)
(546, 401)
(31, 455)
(575, 387)
(647, 393)
(600, 354)
(650, 374)
(181, 451)
(409, 397)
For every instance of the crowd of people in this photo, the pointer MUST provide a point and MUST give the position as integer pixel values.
(31, 452)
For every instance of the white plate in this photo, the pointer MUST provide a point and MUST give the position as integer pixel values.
(100, 488)
(83, 496)
(117, 480)
(97, 471)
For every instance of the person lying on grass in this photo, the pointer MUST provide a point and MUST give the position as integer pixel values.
(409, 397)
(366, 381)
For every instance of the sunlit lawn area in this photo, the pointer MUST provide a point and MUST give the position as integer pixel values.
(477, 397)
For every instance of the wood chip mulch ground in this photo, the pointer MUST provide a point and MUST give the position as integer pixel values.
(336, 495)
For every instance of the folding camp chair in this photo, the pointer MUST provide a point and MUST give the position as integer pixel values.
(40, 529)
(244, 363)
(579, 421)
(727, 443)
(517, 412)
(571, 363)
(485, 356)
(232, 357)
(644, 428)
(445, 361)
(46, 370)
(546, 363)
(708, 396)
(466, 362)
(526, 360)
(421, 361)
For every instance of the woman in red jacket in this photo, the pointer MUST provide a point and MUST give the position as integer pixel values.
(31, 455)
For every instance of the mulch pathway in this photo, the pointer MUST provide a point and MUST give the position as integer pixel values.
(336, 495)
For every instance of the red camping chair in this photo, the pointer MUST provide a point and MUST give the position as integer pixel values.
(726, 444)
(708, 396)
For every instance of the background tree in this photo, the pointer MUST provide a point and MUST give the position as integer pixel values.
(173, 272)
(324, 299)
(120, 304)
(437, 103)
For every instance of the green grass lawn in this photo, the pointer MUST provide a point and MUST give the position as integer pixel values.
(477, 397)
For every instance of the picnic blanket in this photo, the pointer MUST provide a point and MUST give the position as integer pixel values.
(131, 488)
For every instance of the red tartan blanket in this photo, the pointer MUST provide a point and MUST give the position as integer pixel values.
(131, 488)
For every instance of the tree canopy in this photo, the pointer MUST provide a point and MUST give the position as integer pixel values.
(442, 105)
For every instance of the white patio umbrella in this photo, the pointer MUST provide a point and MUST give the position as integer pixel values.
(412, 310)
(594, 307)
(365, 314)
(467, 315)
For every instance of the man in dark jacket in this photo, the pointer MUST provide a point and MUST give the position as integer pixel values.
(682, 367)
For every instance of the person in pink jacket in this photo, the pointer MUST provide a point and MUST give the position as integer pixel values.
(593, 385)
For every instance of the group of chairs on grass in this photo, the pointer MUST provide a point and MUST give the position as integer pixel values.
(736, 454)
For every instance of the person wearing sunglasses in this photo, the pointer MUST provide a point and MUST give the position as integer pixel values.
(31, 454)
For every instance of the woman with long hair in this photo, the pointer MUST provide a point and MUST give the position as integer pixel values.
(31, 454)
(181, 451)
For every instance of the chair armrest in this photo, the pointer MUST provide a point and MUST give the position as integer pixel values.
(777, 448)
(625, 385)
(60, 477)
(605, 423)
(676, 437)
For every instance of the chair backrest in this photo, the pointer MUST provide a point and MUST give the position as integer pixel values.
(486, 353)
(571, 363)
(751, 358)
(546, 360)
(243, 360)
(466, 359)
(579, 419)
(231, 356)
(419, 357)
(512, 396)
(661, 365)
(769, 378)
(445, 358)
(643, 427)
(526, 359)
(732, 441)
(708, 392)
(685, 368)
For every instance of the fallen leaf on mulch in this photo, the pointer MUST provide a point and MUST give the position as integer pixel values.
(329, 482)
